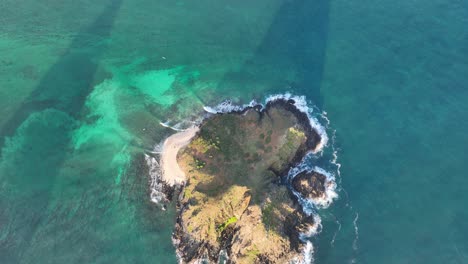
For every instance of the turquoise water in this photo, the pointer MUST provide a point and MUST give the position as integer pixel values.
(85, 84)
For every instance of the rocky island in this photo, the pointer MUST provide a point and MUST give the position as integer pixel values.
(229, 173)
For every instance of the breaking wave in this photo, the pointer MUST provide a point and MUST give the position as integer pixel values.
(309, 206)
(157, 195)
(178, 127)
(228, 106)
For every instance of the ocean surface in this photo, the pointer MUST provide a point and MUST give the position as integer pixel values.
(85, 86)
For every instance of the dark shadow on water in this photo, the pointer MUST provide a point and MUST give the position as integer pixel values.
(67, 83)
(296, 40)
(64, 87)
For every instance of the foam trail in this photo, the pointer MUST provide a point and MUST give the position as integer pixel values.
(325, 116)
(336, 233)
(335, 150)
(157, 150)
(227, 107)
(156, 189)
(356, 232)
(166, 124)
(335, 161)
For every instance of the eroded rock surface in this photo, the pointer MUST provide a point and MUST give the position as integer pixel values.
(310, 184)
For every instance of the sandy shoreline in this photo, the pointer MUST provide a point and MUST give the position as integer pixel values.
(171, 172)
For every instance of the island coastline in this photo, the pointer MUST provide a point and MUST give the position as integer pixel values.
(297, 224)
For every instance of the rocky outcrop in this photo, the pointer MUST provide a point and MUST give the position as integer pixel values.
(234, 203)
(310, 184)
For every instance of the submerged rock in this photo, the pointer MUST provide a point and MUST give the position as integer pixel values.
(233, 202)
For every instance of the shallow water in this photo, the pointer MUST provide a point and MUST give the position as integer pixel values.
(85, 85)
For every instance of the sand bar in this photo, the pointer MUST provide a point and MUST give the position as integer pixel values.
(171, 172)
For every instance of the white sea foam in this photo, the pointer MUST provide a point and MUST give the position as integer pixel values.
(300, 103)
(180, 126)
(356, 232)
(330, 194)
(308, 254)
(356, 238)
(325, 116)
(156, 188)
(227, 107)
(308, 250)
(330, 189)
(314, 229)
(334, 160)
(332, 242)
(167, 124)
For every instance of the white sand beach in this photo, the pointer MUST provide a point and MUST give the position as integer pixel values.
(171, 172)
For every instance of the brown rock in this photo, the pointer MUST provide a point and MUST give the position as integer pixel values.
(310, 184)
